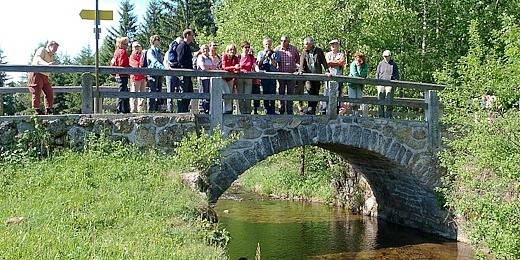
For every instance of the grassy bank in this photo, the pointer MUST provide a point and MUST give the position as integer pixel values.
(279, 176)
(484, 184)
(111, 201)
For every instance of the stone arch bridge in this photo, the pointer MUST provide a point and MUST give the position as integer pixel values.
(396, 157)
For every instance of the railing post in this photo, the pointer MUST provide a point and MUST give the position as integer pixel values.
(332, 105)
(432, 117)
(86, 94)
(216, 103)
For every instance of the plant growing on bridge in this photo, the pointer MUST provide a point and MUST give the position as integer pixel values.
(198, 151)
(29, 145)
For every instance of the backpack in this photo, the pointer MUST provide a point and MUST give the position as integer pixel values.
(143, 63)
(172, 54)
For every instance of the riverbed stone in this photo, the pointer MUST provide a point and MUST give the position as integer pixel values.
(160, 121)
(76, 136)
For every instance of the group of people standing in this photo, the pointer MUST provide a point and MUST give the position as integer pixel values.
(282, 58)
(179, 55)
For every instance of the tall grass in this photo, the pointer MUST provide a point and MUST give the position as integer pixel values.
(110, 201)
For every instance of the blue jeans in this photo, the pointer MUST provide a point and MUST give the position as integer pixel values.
(204, 103)
(269, 87)
(172, 86)
(183, 105)
(286, 87)
(123, 104)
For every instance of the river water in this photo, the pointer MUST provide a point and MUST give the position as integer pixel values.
(299, 230)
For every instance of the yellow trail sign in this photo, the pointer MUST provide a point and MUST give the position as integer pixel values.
(91, 14)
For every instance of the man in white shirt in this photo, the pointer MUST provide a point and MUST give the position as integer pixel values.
(39, 82)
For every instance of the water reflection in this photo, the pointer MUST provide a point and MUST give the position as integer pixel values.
(295, 230)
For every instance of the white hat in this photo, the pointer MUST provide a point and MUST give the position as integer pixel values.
(387, 53)
(136, 44)
(334, 41)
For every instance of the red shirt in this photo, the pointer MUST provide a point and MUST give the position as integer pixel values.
(121, 60)
(135, 61)
(228, 64)
(247, 63)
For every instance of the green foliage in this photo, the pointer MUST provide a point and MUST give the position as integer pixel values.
(152, 24)
(110, 201)
(493, 70)
(483, 155)
(3, 76)
(484, 183)
(28, 146)
(279, 175)
(127, 27)
(200, 151)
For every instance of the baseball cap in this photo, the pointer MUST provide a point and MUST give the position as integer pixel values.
(387, 53)
(334, 41)
(136, 44)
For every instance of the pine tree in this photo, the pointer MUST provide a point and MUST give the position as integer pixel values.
(152, 23)
(3, 76)
(128, 27)
(193, 14)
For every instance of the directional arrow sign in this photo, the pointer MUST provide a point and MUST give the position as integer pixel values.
(91, 14)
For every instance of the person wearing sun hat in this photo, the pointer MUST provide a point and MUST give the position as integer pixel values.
(386, 69)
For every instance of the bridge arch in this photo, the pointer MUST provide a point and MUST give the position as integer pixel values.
(394, 157)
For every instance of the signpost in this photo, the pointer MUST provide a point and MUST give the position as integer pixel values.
(91, 14)
(97, 15)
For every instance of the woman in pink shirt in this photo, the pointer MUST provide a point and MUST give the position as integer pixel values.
(120, 59)
(204, 62)
(138, 81)
(230, 63)
(245, 86)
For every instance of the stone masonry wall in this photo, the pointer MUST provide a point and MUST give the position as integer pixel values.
(158, 131)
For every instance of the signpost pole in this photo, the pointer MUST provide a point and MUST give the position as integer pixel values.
(97, 104)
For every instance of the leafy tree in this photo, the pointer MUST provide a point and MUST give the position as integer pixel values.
(482, 156)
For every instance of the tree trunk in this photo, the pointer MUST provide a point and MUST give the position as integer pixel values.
(302, 161)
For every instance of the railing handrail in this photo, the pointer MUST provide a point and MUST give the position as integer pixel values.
(216, 73)
(113, 92)
(430, 103)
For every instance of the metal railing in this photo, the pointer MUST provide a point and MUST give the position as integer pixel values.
(90, 94)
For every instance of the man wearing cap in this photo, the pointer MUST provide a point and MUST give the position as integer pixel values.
(39, 82)
(386, 69)
(336, 62)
